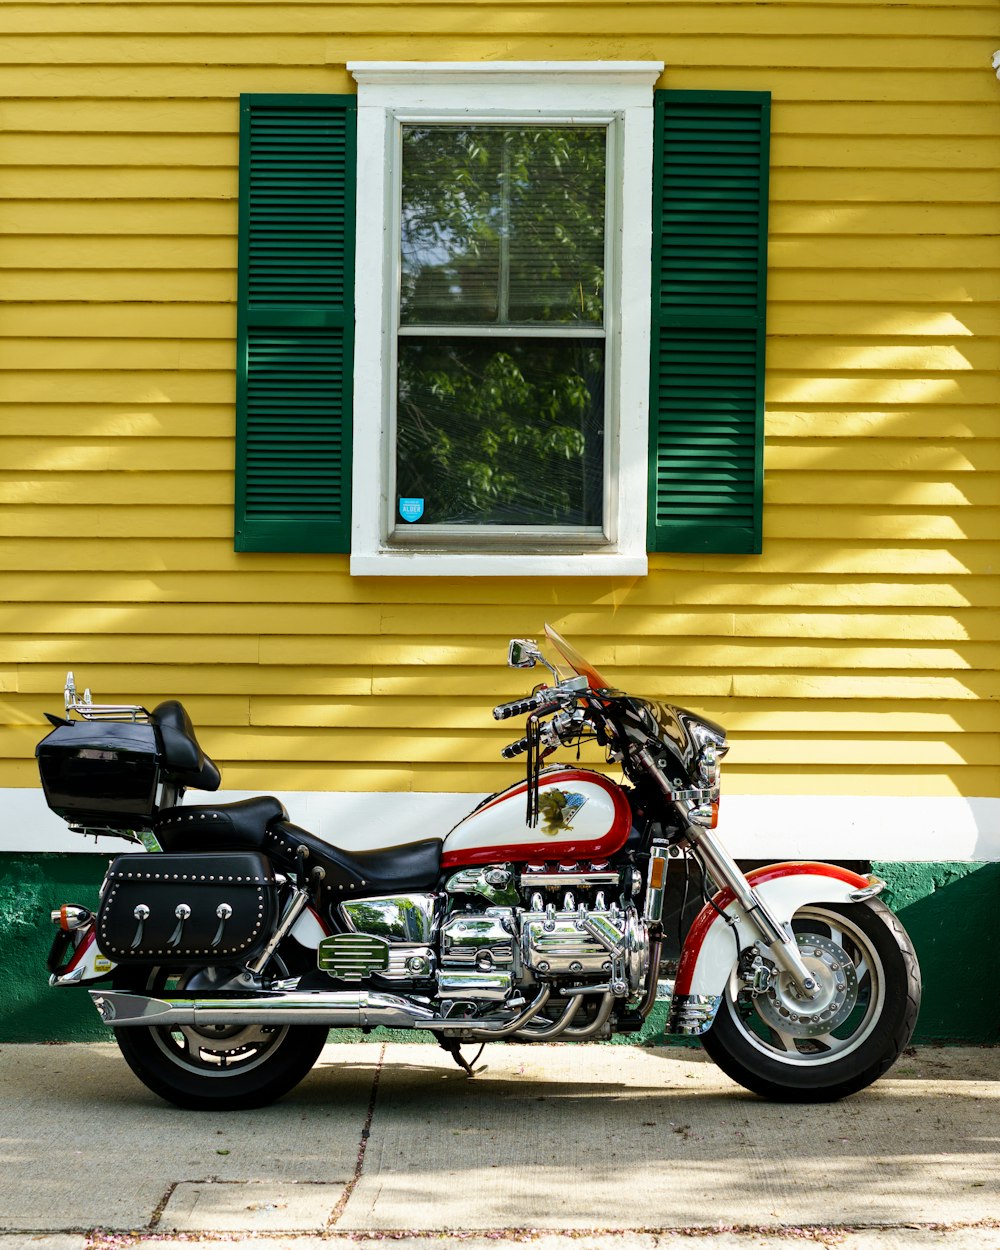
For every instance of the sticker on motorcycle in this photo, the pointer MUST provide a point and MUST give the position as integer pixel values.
(558, 809)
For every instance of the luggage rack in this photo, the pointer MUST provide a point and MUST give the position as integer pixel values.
(87, 709)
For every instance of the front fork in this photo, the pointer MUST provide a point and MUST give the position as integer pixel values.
(780, 942)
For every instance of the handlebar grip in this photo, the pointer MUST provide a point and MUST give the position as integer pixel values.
(515, 748)
(521, 707)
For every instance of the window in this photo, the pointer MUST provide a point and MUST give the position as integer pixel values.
(501, 333)
(550, 332)
(504, 374)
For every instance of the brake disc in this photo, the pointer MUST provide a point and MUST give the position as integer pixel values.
(837, 991)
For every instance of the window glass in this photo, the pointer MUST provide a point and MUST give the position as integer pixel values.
(501, 351)
(503, 225)
(502, 432)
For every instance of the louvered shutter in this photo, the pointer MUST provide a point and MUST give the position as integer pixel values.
(295, 331)
(710, 190)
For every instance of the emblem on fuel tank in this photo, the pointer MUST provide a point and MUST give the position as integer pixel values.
(558, 809)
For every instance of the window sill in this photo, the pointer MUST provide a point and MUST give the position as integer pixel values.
(497, 564)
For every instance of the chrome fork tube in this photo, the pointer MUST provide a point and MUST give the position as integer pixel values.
(726, 872)
(781, 946)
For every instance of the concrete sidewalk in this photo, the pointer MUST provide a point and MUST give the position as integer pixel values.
(562, 1146)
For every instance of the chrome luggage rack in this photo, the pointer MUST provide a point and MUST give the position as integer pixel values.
(87, 709)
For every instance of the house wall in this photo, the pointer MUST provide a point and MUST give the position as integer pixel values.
(855, 662)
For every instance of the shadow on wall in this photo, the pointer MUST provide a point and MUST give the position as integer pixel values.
(949, 911)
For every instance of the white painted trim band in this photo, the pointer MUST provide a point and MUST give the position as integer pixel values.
(776, 827)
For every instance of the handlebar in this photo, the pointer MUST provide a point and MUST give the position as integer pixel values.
(559, 699)
(550, 735)
(541, 701)
(515, 748)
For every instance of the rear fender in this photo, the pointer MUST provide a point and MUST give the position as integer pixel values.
(710, 949)
(86, 964)
(310, 929)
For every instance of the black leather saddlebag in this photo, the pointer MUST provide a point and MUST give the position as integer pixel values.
(183, 909)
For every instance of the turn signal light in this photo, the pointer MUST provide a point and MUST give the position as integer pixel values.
(715, 815)
(70, 917)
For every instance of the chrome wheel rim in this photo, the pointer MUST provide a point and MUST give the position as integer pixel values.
(851, 981)
(214, 1050)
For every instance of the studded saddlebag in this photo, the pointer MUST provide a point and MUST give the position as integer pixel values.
(181, 909)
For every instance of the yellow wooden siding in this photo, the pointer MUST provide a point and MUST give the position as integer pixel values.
(858, 654)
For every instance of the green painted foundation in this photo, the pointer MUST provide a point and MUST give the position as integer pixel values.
(946, 907)
(30, 887)
(949, 910)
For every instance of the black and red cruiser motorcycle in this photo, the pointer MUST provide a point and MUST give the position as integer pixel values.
(559, 909)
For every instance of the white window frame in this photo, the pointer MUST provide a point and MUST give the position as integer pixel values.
(392, 93)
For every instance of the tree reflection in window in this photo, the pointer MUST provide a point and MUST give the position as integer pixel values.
(501, 355)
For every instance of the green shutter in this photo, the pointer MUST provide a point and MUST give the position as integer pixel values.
(710, 178)
(295, 322)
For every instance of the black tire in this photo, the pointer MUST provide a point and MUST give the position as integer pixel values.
(786, 1065)
(217, 1069)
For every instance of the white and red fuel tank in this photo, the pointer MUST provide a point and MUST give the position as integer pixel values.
(581, 815)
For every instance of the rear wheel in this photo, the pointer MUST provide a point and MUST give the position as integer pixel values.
(792, 1050)
(216, 1067)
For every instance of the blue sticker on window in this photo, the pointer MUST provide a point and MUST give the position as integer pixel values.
(411, 509)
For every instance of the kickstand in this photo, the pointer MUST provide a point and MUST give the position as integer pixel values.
(454, 1048)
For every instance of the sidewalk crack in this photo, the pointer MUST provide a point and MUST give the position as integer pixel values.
(345, 1197)
(161, 1206)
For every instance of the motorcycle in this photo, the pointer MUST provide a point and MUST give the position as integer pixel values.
(560, 909)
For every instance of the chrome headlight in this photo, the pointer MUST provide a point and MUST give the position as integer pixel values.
(708, 764)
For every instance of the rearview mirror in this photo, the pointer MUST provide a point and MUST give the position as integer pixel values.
(523, 653)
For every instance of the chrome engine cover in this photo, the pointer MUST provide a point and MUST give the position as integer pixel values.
(609, 942)
(486, 955)
(483, 940)
(394, 917)
(391, 935)
(478, 955)
(555, 943)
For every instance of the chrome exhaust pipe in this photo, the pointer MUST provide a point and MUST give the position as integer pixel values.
(342, 1009)
(337, 1009)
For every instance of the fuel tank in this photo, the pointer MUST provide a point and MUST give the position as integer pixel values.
(581, 815)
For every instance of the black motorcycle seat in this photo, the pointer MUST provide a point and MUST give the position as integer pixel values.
(240, 826)
(389, 870)
(183, 758)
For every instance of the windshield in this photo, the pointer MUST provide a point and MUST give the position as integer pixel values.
(581, 666)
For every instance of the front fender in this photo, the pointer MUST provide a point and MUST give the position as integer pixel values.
(710, 950)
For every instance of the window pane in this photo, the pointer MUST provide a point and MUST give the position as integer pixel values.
(509, 432)
(556, 183)
(503, 225)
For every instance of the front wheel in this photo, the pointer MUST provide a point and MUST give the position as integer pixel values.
(217, 1067)
(789, 1050)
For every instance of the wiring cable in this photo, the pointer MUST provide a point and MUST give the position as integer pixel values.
(730, 920)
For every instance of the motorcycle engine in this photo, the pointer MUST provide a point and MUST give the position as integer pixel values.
(556, 927)
(496, 936)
